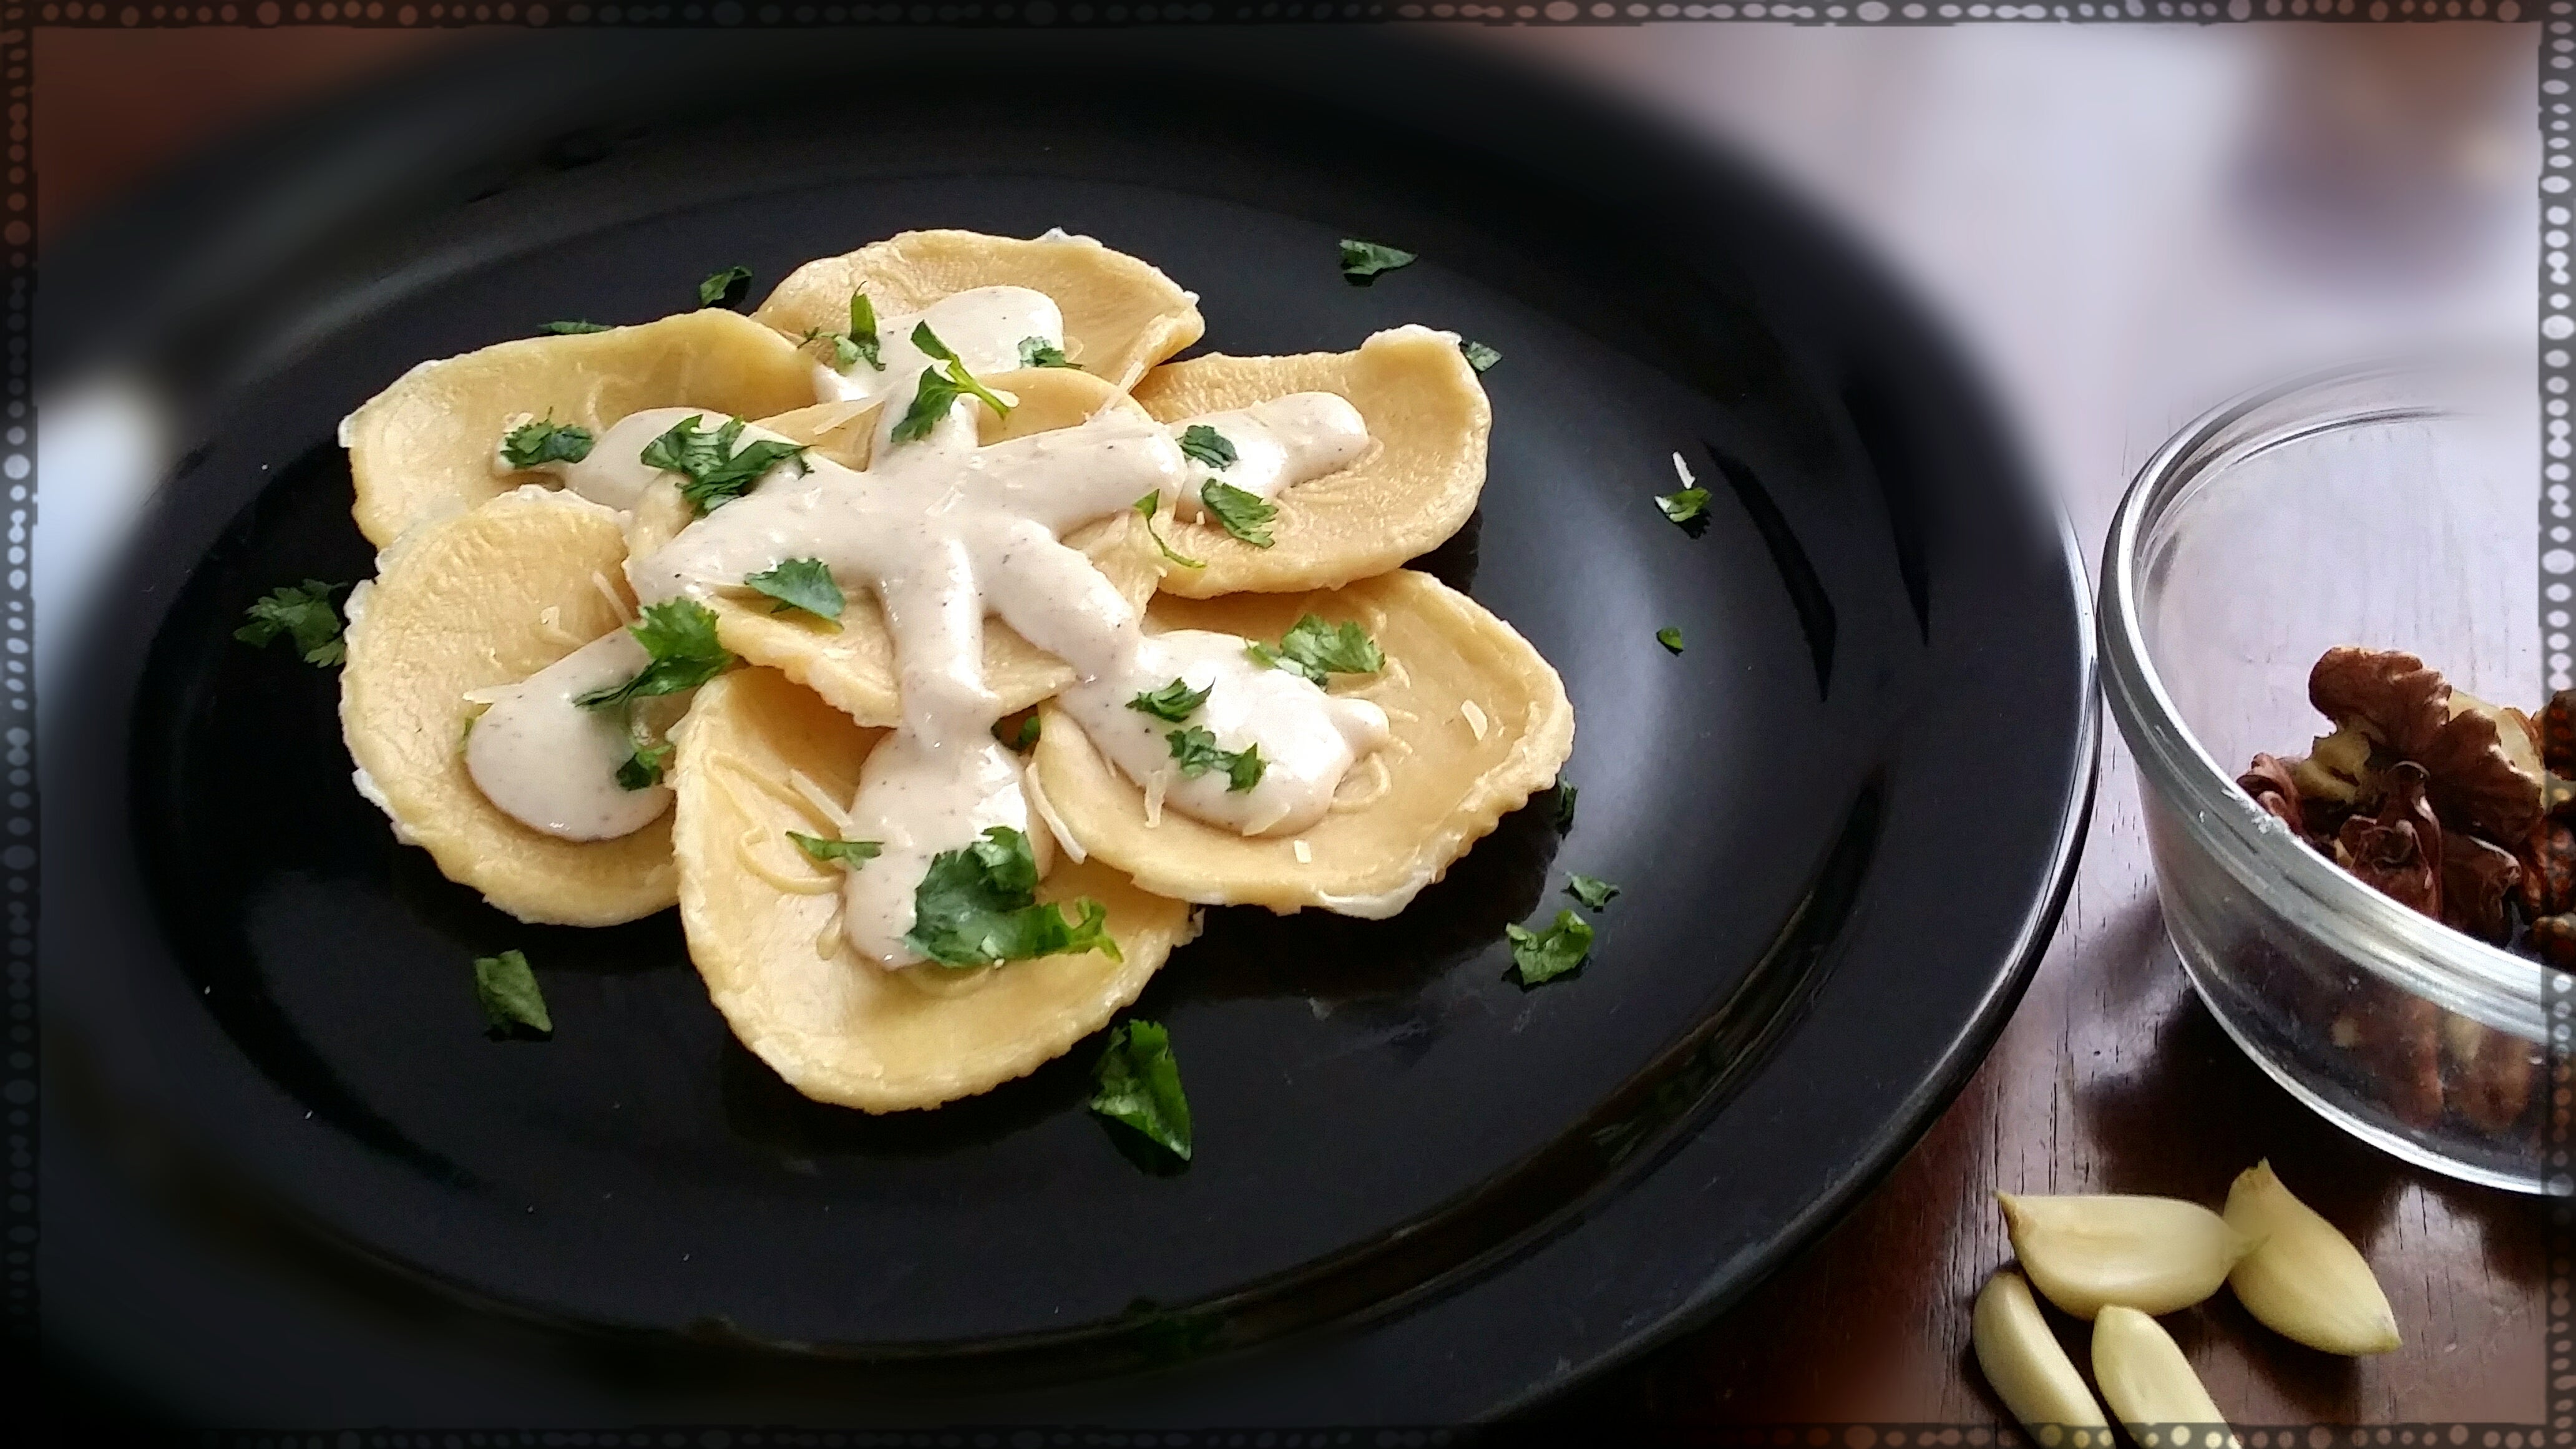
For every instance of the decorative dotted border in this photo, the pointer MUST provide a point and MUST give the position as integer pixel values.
(18, 856)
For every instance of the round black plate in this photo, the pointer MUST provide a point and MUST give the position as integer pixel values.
(1841, 820)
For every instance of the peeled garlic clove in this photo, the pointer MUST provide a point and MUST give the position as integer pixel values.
(2305, 1281)
(2154, 1254)
(2033, 1376)
(2148, 1383)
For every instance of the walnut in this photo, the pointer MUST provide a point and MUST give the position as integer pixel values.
(2269, 781)
(2395, 1037)
(2390, 697)
(2548, 883)
(2491, 1073)
(2398, 852)
(2476, 879)
(2557, 733)
(2486, 773)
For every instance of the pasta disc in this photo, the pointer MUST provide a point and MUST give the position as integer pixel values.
(1429, 419)
(853, 667)
(1121, 315)
(764, 927)
(1480, 724)
(481, 599)
(427, 446)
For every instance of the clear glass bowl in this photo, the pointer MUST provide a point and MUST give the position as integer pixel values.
(2389, 505)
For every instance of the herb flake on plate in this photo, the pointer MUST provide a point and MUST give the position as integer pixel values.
(1362, 261)
(1545, 955)
(507, 989)
(1245, 515)
(826, 851)
(716, 473)
(1174, 702)
(1670, 638)
(721, 288)
(303, 614)
(1479, 356)
(1594, 892)
(533, 445)
(1038, 352)
(573, 327)
(1196, 752)
(1314, 649)
(1203, 444)
(1138, 1085)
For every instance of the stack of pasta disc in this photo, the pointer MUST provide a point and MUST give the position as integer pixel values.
(486, 576)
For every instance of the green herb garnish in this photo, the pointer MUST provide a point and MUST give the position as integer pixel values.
(1686, 507)
(1479, 356)
(851, 853)
(511, 1001)
(1038, 352)
(1564, 805)
(716, 473)
(801, 583)
(1593, 891)
(1174, 702)
(544, 441)
(724, 286)
(940, 388)
(573, 327)
(1670, 638)
(1206, 445)
(977, 906)
(642, 767)
(1314, 649)
(1150, 504)
(1138, 1084)
(1245, 515)
(1022, 739)
(1545, 955)
(857, 345)
(1363, 260)
(679, 639)
(1195, 750)
(302, 613)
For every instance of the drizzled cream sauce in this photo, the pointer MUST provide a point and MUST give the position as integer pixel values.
(944, 532)
(552, 764)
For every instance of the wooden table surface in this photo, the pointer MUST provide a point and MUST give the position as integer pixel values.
(2028, 177)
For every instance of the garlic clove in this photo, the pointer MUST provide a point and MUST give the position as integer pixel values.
(2150, 1386)
(2030, 1372)
(2154, 1254)
(2306, 1281)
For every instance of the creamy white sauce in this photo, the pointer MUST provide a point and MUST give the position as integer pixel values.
(944, 532)
(1278, 442)
(1307, 738)
(983, 326)
(551, 764)
(614, 472)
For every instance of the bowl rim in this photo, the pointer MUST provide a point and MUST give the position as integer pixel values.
(2392, 941)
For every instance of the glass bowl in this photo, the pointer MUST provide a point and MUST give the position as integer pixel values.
(2389, 505)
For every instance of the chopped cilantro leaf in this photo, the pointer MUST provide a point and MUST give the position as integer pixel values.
(1148, 506)
(1197, 753)
(1670, 638)
(1137, 1084)
(1245, 515)
(939, 388)
(544, 441)
(1687, 507)
(1206, 445)
(642, 769)
(1363, 260)
(722, 287)
(716, 473)
(1545, 955)
(511, 1001)
(852, 853)
(573, 327)
(302, 613)
(977, 906)
(679, 639)
(863, 329)
(1313, 649)
(801, 583)
(1022, 739)
(1479, 356)
(845, 353)
(1565, 793)
(1593, 891)
(1038, 352)
(1174, 702)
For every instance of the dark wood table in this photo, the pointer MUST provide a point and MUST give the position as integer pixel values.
(2110, 1078)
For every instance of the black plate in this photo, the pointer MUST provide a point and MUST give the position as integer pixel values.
(1842, 820)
